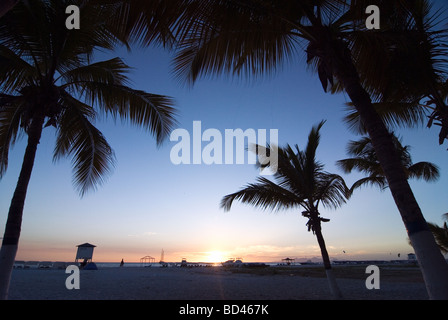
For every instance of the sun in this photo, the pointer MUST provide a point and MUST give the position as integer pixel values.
(215, 256)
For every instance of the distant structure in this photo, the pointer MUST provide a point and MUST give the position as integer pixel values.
(162, 259)
(233, 262)
(84, 253)
(146, 261)
(288, 261)
(412, 257)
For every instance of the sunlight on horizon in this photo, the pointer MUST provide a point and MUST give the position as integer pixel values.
(215, 256)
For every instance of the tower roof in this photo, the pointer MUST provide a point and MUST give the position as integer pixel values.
(86, 245)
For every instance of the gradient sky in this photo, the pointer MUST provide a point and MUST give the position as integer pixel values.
(148, 203)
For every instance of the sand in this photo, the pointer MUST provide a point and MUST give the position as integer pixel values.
(212, 283)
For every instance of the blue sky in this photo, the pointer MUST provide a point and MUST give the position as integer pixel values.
(148, 203)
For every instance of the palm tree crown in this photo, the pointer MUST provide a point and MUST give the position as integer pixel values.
(300, 182)
(365, 160)
(47, 71)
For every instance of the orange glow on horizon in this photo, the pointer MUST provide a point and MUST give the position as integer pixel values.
(215, 256)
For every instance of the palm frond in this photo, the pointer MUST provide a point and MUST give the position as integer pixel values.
(440, 235)
(374, 181)
(92, 156)
(52, 46)
(361, 147)
(382, 58)
(289, 173)
(25, 38)
(11, 108)
(234, 37)
(424, 170)
(360, 164)
(110, 72)
(16, 71)
(153, 112)
(148, 22)
(103, 84)
(331, 190)
(264, 194)
(311, 147)
(393, 114)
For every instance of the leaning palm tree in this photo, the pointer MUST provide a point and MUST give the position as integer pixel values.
(301, 182)
(48, 78)
(365, 160)
(255, 36)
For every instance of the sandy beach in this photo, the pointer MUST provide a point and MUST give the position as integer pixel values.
(214, 283)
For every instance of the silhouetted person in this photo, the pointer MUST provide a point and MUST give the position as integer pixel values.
(121, 263)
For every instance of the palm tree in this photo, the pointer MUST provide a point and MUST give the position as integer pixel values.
(300, 182)
(48, 78)
(365, 160)
(255, 36)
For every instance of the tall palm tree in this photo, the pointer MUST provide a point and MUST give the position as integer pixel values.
(48, 78)
(365, 160)
(301, 182)
(255, 36)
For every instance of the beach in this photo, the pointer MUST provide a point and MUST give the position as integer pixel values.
(215, 283)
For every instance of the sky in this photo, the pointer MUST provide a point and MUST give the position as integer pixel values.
(148, 203)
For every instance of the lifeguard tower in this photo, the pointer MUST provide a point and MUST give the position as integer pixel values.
(84, 253)
(146, 261)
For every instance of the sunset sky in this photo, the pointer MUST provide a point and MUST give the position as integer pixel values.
(148, 204)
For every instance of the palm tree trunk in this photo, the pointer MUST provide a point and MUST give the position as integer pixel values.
(433, 266)
(334, 288)
(13, 224)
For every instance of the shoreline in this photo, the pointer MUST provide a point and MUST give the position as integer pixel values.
(216, 283)
(62, 264)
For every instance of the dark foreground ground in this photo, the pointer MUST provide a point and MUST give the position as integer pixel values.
(397, 282)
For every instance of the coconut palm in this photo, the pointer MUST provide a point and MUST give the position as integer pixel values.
(253, 37)
(300, 182)
(365, 160)
(48, 79)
